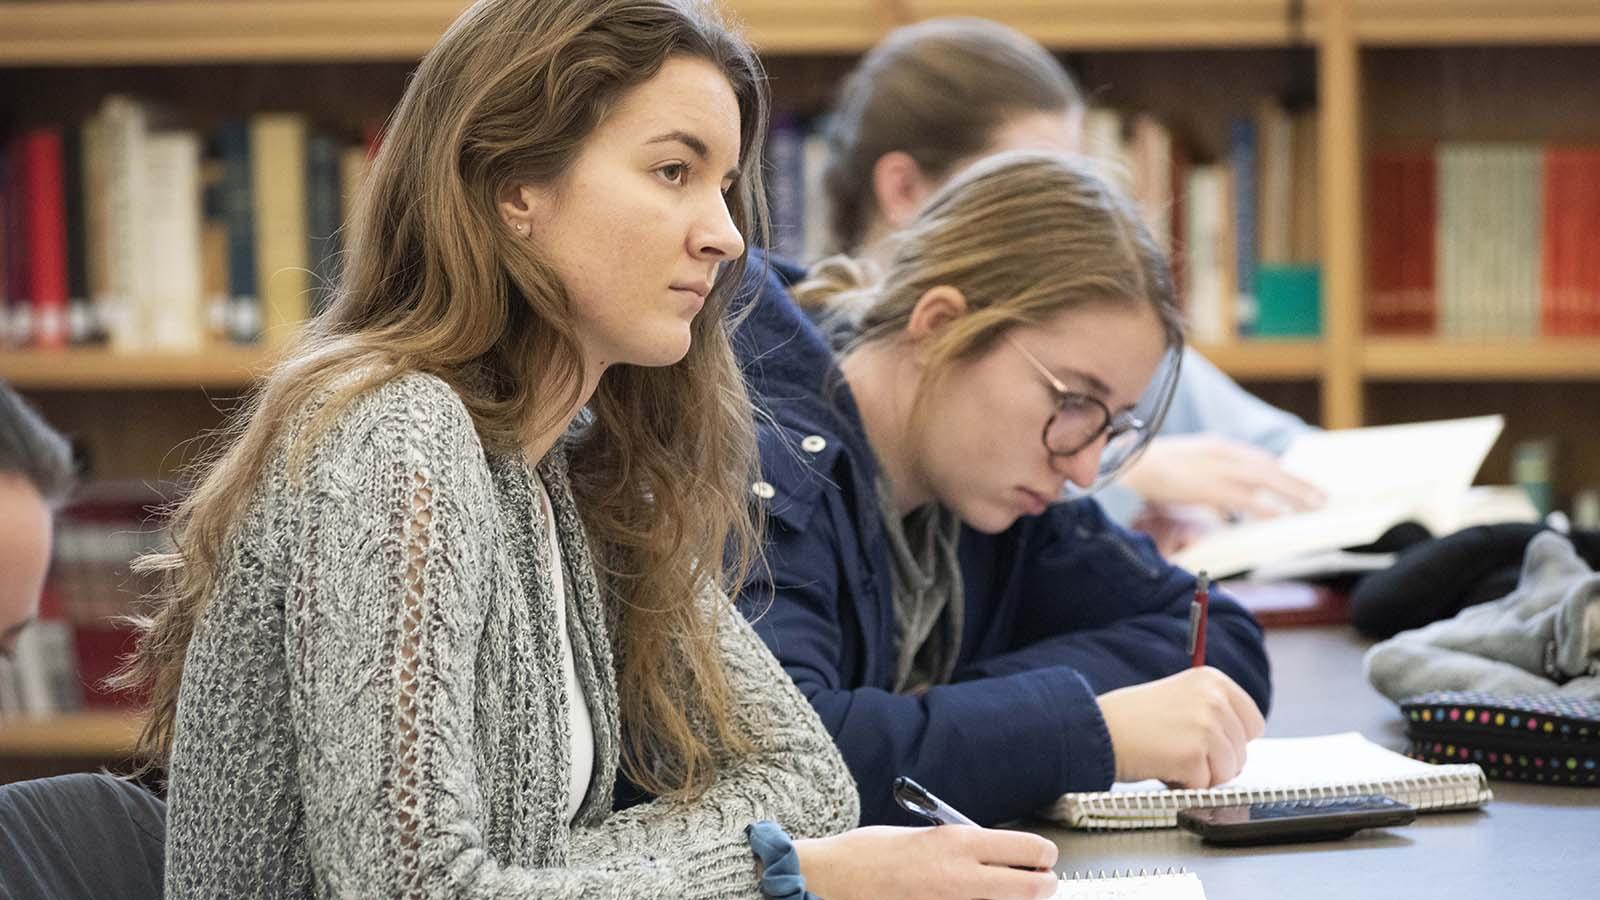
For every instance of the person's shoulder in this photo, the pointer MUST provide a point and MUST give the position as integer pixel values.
(415, 405)
(800, 462)
(764, 268)
(412, 416)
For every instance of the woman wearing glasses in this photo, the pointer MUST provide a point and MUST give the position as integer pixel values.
(936, 96)
(945, 618)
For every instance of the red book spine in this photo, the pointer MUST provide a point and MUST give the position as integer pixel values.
(45, 223)
(7, 238)
(1385, 223)
(17, 307)
(1422, 204)
(1585, 232)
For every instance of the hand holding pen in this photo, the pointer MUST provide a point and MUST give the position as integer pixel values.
(882, 862)
(914, 798)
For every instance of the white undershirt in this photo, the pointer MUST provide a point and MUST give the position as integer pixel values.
(578, 720)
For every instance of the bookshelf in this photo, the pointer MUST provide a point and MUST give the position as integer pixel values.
(98, 734)
(217, 367)
(1384, 70)
(1475, 22)
(1267, 360)
(1550, 359)
(36, 748)
(168, 32)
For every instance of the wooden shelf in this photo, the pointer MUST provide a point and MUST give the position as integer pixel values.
(105, 734)
(1403, 359)
(1475, 22)
(128, 32)
(1127, 24)
(119, 32)
(124, 32)
(1291, 360)
(223, 367)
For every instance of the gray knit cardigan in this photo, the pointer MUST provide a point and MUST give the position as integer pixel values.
(373, 703)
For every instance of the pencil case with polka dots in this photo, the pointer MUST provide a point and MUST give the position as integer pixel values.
(1543, 738)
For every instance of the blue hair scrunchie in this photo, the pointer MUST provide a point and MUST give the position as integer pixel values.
(780, 865)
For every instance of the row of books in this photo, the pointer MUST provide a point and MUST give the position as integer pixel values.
(62, 660)
(1242, 229)
(1484, 240)
(114, 230)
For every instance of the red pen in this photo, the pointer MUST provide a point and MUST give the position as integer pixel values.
(1197, 621)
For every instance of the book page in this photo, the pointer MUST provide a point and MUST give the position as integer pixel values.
(1374, 478)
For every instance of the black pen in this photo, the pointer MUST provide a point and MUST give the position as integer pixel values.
(915, 798)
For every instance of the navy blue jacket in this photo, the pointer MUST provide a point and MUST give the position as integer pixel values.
(1059, 608)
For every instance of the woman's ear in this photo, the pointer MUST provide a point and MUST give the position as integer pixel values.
(935, 309)
(519, 205)
(899, 188)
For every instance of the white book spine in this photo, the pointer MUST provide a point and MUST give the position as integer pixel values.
(125, 233)
(47, 674)
(1528, 216)
(175, 310)
(1102, 142)
(10, 690)
(1152, 182)
(1450, 271)
(1204, 278)
(813, 156)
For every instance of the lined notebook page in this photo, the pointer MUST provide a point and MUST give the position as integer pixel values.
(1287, 769)
(1162, 886)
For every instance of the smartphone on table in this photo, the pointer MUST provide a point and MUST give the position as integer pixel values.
(1286, 821)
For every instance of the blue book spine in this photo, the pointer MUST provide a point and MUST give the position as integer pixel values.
(785, 149)
(1242, 167)
(322, 218)
(236, 204)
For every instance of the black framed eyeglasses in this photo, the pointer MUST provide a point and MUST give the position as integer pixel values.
(1079, 420)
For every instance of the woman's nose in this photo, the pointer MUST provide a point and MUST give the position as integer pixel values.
(715, 236)
(1081, 468)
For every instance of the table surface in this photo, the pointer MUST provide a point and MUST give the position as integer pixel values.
(1531, 841)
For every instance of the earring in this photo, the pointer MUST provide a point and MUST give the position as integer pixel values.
(522, 228)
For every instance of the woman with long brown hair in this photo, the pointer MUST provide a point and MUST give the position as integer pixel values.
(457, 566)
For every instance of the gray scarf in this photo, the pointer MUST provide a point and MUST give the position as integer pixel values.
(929, 596)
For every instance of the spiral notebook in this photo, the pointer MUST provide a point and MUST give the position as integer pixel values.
(1169, 885)
(1332, 765)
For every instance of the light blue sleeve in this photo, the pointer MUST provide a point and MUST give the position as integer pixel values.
(1208, 401)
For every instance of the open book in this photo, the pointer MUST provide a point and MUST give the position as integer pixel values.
(1374, 478)
(1333, 765)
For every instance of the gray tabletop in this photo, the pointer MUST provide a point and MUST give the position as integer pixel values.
(1531, 841)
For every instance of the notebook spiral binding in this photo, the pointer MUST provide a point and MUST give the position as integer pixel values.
(1124, 873)
(1462, 787)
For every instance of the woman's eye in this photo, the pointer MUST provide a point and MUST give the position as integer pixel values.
(674, 173)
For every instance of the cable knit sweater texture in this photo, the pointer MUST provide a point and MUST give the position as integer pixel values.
(373, 702)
